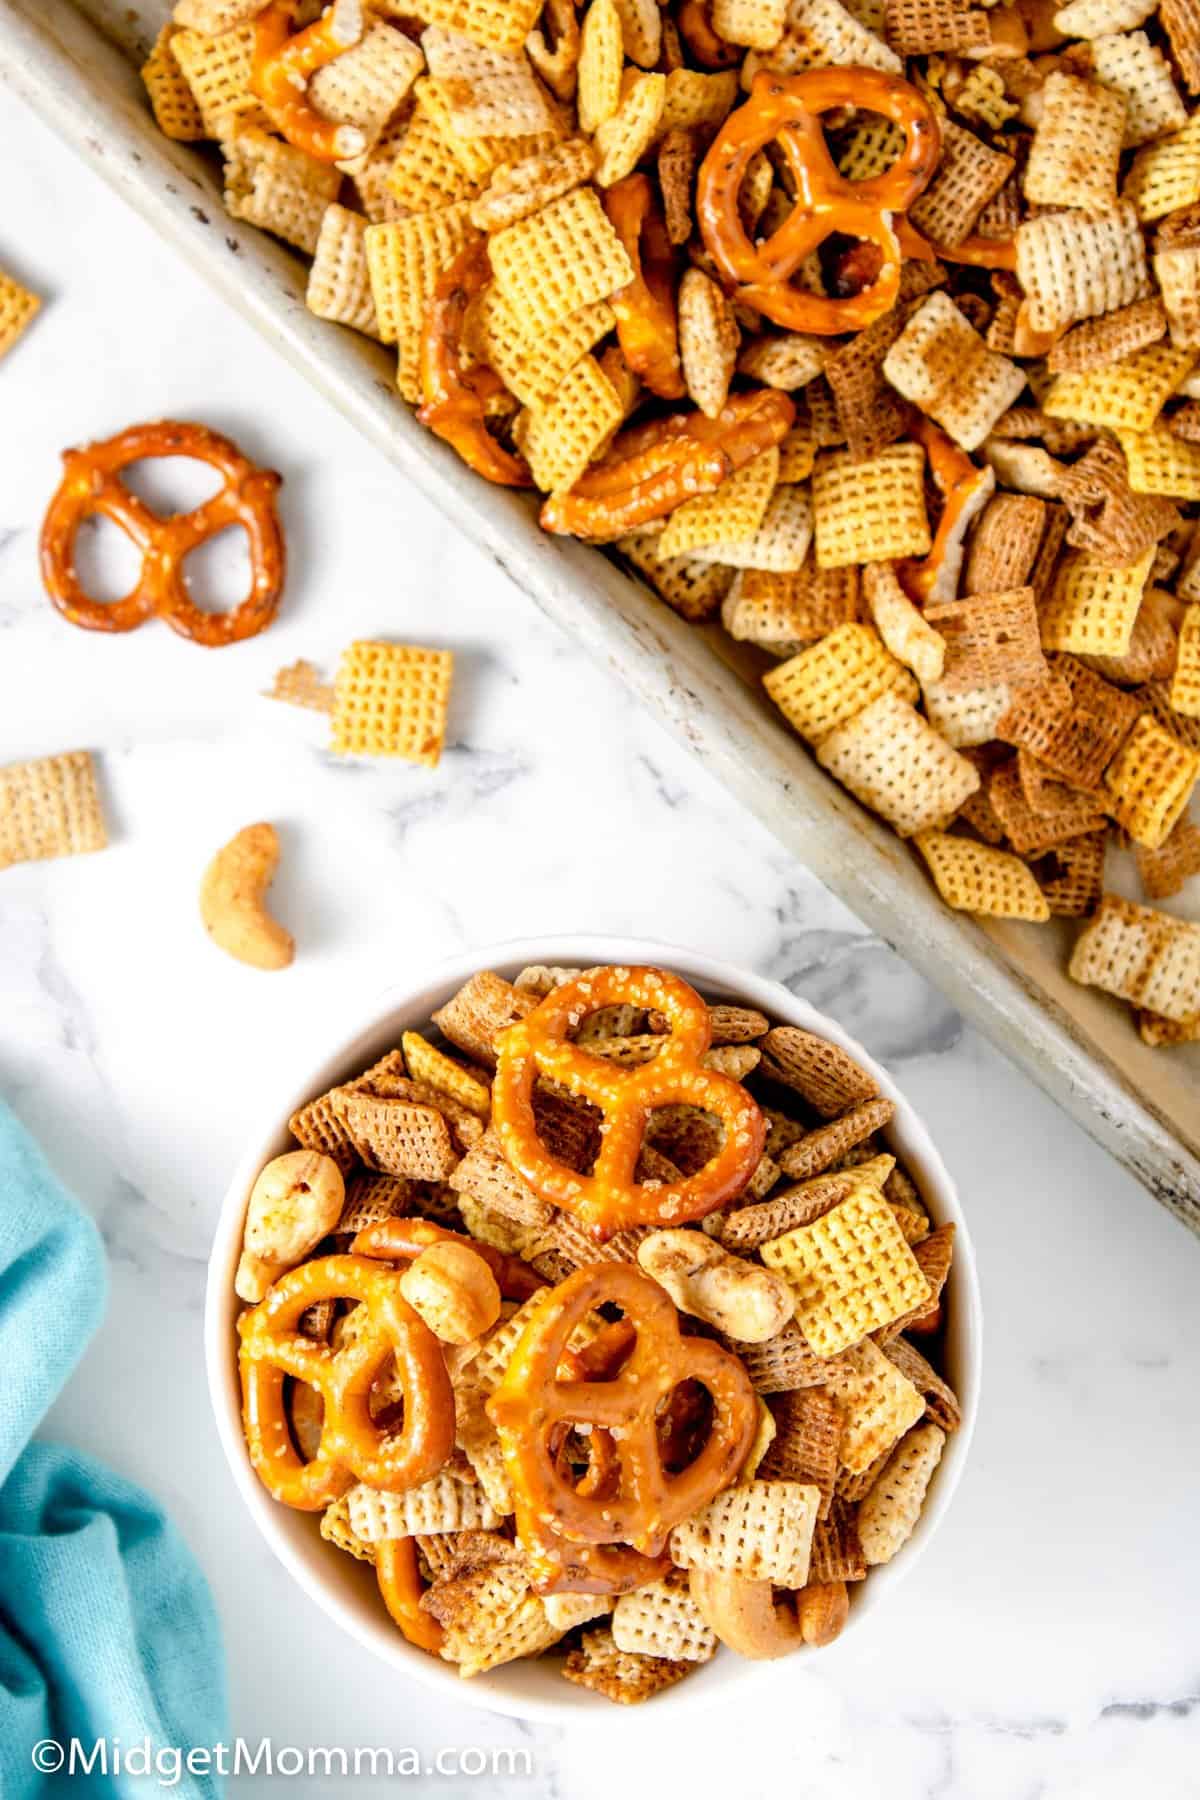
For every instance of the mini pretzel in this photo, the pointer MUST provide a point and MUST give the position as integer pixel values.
(651, 469)
(789, 108)
(638, 1509)
(402, 1240)
(611, 1197)
(964, 489)
(647, 324)
(352, 1446)
(455, 396)
(283, 65)
(399, 1577)
(92, 484)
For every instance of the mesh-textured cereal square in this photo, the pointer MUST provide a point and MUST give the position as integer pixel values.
(620, 1675)
(808, 1430)
(757, 24)
(1143, 956)
(893, 760)
(405, 258)
(662, 1619)
(878, 1404)
(1178, 273)
(852, 1272)
(1092, 606)
(273, 185)
(732, 513)
(816, 1151)
(976, 878)
(967, 177)
(1180, 20)
(1004, 543)
(18, 307)
(696, 589)
(941, 363)
(488, 93)
(1072, 875)
(565, 257)
(339, 282)
(176, 109)
(1184, 694)
(423, 174)
(1129, 64)
(918, 27)
(1107, 517)
(1074, 721)
(781, 542)
(366, 85)
(822, 1072)
(782, 613)
(217, 69)
(1072, 267)
(835, 678)
(501, 24)
(760, 1530)
(1150, 781)
(1161, 463)
(1126, 396)
(870, 511)
(1166, 176)
(1166, 871)
(391, 700)
(1097, 342)
(560, 439)
(50, 807)
(1077, 145)
(888, 1516)
(624, 139)
(534, 366)
(396, 1137)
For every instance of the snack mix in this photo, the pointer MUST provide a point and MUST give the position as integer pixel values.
(871, 330)
(598, 1318)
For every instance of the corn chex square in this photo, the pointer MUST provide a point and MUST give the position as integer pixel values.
(1166, 176)
(887, 1517)
(560, 439)
(50, 807)
(870, 511)
(694, 588)
(218, 69)
(620, 1675)
(779, 545)
(878, 1404)
(851, 1269)
(442, 1503)
(366, 84)
(760, 1530)
(1161, 463)
(391, 700)
(1150, 781)
(893, 760)
(1177, 270)
(1077, 145)
(277, 187)
(501, 24)
(827, 683)
(731, 513)
(405, 258)
(1142, 955)
(980, 879)
(558, 260)
(1184, 695)
(17, 310)
(1092, 606)
(489, 93)
(339, 282)
(175, 107)
(941, 363)
(1125, 396)
(622, 140)
(1129, 64)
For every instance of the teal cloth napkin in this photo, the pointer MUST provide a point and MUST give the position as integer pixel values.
(107, 1628)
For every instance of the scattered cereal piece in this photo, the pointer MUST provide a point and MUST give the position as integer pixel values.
(391, 700)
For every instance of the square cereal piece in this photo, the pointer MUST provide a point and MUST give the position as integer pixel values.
(277, 187)
(560, 439)
(620, 1675)
(917, 27)
(788, 361)
(405, 258)
(976, 878)
(500, 24)
(1155, 697)
(517, 190)
(366, 85)
(760, 1530)
(50, 807)
(1150, 781)
(1184, 693)
(1125, 396)
(782, 1363)
(339, 282)
(709, 336)
(1077, 145)
(870, 412)
(601, 60)
(851, 1269)
(1129, 64)
(443, 1503)
(1071, 876)
(1098, 342)
(815, 1151)
(18, 308)
(968, 718)
(748, 1227)
(483, 1007)
(214, 17)
(781, 542)
(731, 513)
(1092, 606)
(821, 1072)
(878, 1405)
(941, 363)
(756, 24)
(827, 684)
(560, 259)
(1167, 870)
(1074, 722)
(1141, 955)
(662, 1619)
(175, 107)
(429, 1064)
(424, 174)
(990, 638)
(622, 140)
(396, 1137)
(488, 93)
(694, 587)
(820, 32)
(888, 1516)
(1159, 1032)
(892, 759)
(808, 1430)
(533, 366)
(1166, 176)
(967, 177)
(1004, 544)
(1092, 18)
(941, 1402)
(1072, 267)
(697, 101)
(1107, 517)
(218, 69)
(1161, 463)
(391, 700)
(836, 1552)
(871, 511)
(782, 613)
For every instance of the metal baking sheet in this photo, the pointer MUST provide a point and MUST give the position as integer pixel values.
(76, 62)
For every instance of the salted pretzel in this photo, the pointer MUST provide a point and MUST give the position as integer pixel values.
(352, 1446)
(456, 396)
(652, 468)
(976, 251)
(965, 490)
(92, 485)
(638, 1509)
(788, 109)
(399, 1576)
(611, 1197)
(402, 1240)
(647, 324)
(284, 63)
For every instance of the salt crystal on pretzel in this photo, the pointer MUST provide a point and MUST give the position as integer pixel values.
(940, 362)
(888, 1516)
(760, 1530)
(1142, 955)
(1075, 268)
(273, 185)
(870, 511)
(902, 627)
(50, 807)
(662, 1619)
(1150, 781)
(851, 1270)
(620, 1675)
(176, 109)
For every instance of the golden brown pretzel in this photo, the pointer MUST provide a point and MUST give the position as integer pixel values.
(647, 321)
(92, 484)
(456, 396)
(284, 63)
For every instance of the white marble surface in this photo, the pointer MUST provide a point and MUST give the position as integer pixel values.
(1047, 1645)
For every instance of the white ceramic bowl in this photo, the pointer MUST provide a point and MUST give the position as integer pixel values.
(345, 1589)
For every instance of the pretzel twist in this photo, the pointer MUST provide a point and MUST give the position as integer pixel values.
(611, 1197)
(789, 109)
(399, 1576)
(92, 485)
(640, 1500)
(456, 396)
(352, 1446)
(647, 322)
(652, 468)
(284, 64)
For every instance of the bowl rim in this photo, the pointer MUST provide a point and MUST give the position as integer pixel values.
(410, 1003)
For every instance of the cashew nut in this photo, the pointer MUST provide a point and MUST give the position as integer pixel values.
(296, 1201)
(740, 1298)
(454, 1291)
(822, 1609)
(746, 1615)
(232, 897)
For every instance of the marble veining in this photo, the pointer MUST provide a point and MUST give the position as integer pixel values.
(1046, 1647)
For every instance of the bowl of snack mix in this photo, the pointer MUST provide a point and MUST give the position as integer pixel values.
(596, 1322)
